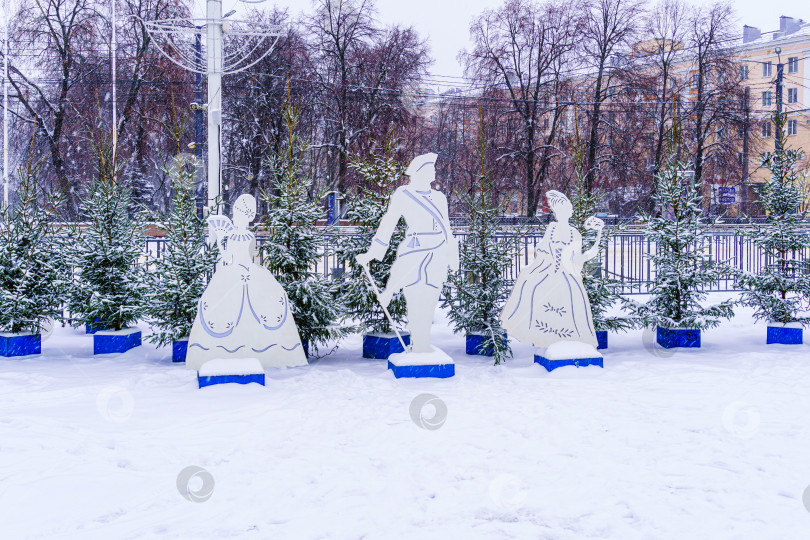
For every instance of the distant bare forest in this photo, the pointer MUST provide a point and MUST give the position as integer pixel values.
(605, 79)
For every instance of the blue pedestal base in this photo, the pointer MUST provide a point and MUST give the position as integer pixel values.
(381, 346)
(20, 344)
(551, 365)
(670, 338)
(784, 336)
(480, 344)
(435, 371)
(179, 350)
(112, 341)
(225, 379)
(601, 339)
(93, 328)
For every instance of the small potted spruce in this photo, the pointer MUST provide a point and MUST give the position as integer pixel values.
(603, 291)
(681, 271)
(32, 277)
(379, 176)
(476, 293)
(107, 289)
(176, 281)
(778, 290)
(294, 243)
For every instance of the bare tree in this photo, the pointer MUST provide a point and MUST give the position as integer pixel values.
(339, 28)
(363, 71)
(714, 88)
(59, 37)
(521, 48)
(609, 27)
(666, 27)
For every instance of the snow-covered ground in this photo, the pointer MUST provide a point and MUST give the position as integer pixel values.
(709, 443)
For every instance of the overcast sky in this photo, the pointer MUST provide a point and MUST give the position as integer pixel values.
(446, 22)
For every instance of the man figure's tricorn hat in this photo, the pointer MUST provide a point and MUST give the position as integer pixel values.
(420, 162)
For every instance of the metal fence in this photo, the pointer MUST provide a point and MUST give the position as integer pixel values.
(625, 257)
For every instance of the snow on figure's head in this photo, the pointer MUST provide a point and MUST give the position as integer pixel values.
(244, 210)
(422, 170)
(560, 205)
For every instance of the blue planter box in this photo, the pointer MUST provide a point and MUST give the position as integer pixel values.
(670, 338)
(434, 371)
(381, 346)
(601, 339)
(179, 350)
(93, 328)
(480, 344)
(551, 365)
(116, 341)
(20, 344)
(225, 379)
(784, 336)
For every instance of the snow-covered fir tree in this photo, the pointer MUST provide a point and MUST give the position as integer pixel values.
(294, 243)
(379, 174)
(603, 291)
(176, 280)
(107, 289)
(777, 292)
(476, 294)
(32, 276)
(681, 272)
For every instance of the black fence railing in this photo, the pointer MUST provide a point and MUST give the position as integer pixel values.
(625, 257)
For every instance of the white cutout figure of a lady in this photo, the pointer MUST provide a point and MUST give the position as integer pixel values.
(244, 312)
(549, 302)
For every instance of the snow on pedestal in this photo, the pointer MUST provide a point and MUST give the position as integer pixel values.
(785, 333)
(116, 341)
(382, 346)
(567, 353)
(20, 344)
(231, 370)
(436, 364)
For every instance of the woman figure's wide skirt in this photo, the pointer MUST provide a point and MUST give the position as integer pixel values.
(547, 306)
(244, 313)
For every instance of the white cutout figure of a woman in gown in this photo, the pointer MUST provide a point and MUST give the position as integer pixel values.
(549, 302)
(244, 312)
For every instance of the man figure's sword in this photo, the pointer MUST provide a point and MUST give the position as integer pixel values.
(385, 309)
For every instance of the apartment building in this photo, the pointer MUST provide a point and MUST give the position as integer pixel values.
(761, 56)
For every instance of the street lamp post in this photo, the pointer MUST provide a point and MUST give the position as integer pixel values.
(254, 41)
(113, 53)
(779, 76)
(5, 103)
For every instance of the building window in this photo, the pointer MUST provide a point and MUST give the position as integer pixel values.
(793, 64)
(694, 81)
(766, 98)
(765, 129)
(743, 73)
(767, 69)
(793, 95)
(791, 127)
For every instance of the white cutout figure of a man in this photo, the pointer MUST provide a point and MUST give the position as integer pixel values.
(425, 255)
